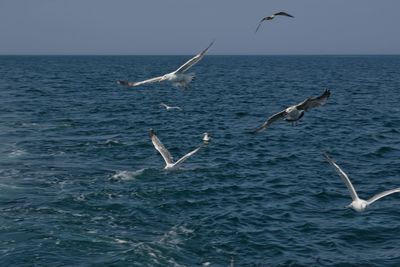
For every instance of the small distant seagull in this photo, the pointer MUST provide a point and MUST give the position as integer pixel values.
(272, 17)
(178, 77)
(357, 204)
(169, 107)
(206, 138)
(169, 161)
(296, 112)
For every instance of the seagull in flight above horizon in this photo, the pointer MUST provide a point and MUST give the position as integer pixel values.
(357, 204)
(169, 161)
(169, 107)
(272, 17)
(296, 112)
(178, 77)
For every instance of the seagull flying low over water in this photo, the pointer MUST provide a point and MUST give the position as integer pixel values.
(272, 17)
(169, 161)
(357, 204)
(169, 107)
(296, 112)
(178, 77)
(206, 138)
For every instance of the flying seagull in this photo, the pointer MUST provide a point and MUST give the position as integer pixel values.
(169, 107)
(178, 77)
(169, 162)
(357, 204)
(272, 17)
(206, 138)
(296, 112)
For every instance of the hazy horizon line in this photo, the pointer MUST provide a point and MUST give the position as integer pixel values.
(305, 54)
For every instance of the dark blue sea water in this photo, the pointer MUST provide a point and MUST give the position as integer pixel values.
(82, 185)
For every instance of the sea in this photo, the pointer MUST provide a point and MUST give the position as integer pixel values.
(81, 183)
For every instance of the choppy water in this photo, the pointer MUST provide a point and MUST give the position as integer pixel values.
(82, 185)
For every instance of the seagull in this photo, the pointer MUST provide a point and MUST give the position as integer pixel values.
(358, 204)
(169, 162)
(169, 107)
(206, 138)
(178, 78)
(296, 112)
(272, 17)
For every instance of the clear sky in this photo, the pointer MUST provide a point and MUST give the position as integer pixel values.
(170, 27)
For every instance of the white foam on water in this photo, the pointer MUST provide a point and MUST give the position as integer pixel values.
(16, 153)
(176, 235)
(120, 241)
(127, 175)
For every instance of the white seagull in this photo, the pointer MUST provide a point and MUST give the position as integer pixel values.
(357, 204)
(272, 17)
(169, 161)
(206, 138)
(169, 107)
(296, 112)
(178, 77)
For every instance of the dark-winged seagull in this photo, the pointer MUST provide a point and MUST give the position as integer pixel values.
(272, 17)
(357, 204)
(296, 112)
(169, 161)
(178, 77)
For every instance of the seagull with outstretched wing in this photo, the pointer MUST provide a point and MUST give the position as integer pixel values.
(357, 204)
(169, 161)
(169, 107)
(272, 17)
(296, 112)
(178, 77)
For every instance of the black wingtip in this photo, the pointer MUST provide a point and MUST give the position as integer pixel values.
(326, 155)
(254, 131)
(151, 132)
(123, 82)
(328, 92)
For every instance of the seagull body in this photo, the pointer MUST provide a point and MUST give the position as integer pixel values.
(206, 138)
(296, 112)
(178, 78)
(169, 107)
(169, 162)
(272, 17)
(357, 204)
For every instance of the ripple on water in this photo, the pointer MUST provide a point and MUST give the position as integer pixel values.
(81, 182)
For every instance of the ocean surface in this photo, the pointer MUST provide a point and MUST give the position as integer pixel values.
(82, 185)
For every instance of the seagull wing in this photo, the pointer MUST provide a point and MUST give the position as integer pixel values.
(152, 80)
(259, 24)
(193, 60)
(313, 102)
(161, 148)
(270, 120)
(186, 156)
(164, 105)
(283, 14)
(344, 177)
(383, 194)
